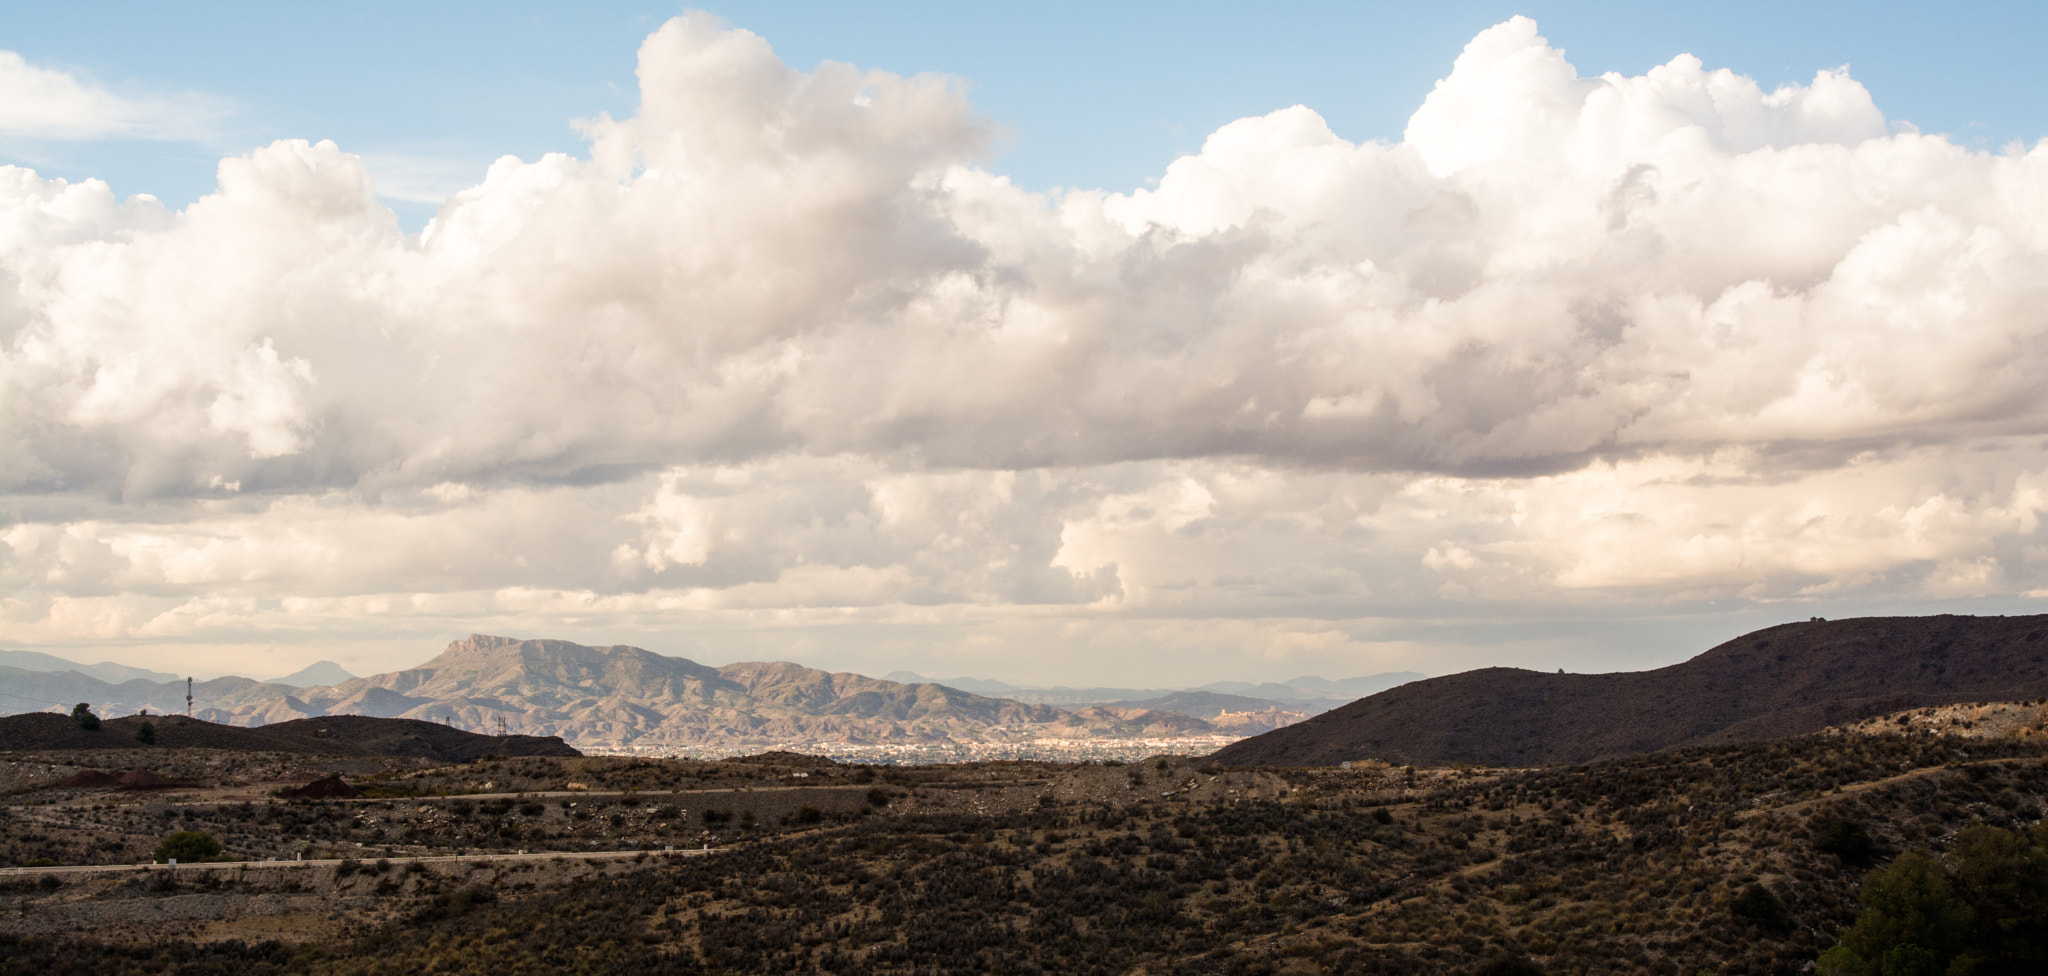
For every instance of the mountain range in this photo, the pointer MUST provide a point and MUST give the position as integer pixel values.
(105, 670)
(319, 673)
(1307, 695)
(626, 698)
(1785, 680)
(1781, 681)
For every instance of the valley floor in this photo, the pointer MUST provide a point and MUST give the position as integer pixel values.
(1721, 860)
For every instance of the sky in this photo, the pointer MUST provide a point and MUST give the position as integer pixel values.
(1150, 345)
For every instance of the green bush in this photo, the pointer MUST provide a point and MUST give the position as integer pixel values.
(1983, 909)
(1847, 840)
(82, 714)
(146, 733)
(463, 899)
(188, 846)
(1759, 906)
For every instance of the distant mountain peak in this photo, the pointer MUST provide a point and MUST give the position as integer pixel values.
(498, 660)
(315, 675)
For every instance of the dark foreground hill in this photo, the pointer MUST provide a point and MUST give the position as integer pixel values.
(1780, 681)
(337, 735)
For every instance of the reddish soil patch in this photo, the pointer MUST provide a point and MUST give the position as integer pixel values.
(330, 788)
(90, 779)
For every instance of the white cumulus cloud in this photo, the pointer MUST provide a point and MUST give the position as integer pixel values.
(781, 345)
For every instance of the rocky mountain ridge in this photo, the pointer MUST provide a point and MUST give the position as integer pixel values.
(622, 698)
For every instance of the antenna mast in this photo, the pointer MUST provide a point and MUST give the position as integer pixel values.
(188, 697)
(501, 726)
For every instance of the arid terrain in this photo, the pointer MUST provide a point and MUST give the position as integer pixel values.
(1724, 859)
(1786, 680)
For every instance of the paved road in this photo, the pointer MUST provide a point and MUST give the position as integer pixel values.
(330, 862)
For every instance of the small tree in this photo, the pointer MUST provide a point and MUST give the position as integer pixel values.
(82, 714)
(188, 846)
(146, 733)
(1847, 840)
(1909, 904)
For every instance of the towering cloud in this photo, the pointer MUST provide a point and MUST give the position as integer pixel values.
(780, 349)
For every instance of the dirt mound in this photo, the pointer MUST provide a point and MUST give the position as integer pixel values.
(329, 788)
(89, 779)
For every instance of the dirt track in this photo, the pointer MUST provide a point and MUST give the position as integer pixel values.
(331, 862)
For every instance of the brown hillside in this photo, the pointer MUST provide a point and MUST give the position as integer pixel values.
(339, 735)
(410, 737)
(1785, 680)
(36, 731)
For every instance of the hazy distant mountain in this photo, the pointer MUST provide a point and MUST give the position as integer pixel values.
(979, 686)
(1781, 681)
(1310, 688)
(1076, 697)
(105, 670)
(1202, 704)
(62, 689)
(312, 675)
(1299, 697)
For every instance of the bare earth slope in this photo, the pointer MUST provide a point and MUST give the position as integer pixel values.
(1784, 680)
